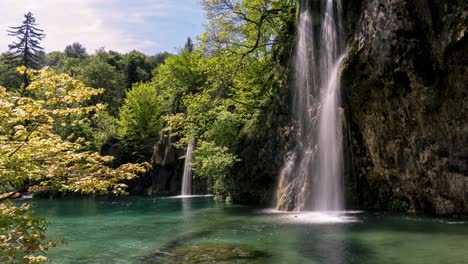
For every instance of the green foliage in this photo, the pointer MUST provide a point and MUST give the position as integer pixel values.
(98, 73)
(189, 45)
(140, 117)
(9, 76)
(37, 147)
(224, 130)
(114, 72)
(75, 50)
(398, 205)
(178, 76)
(137, 68)
(55, 59)
(22, 235)
(246, 26)
(105, 128)
(215, 164)
(218, 92)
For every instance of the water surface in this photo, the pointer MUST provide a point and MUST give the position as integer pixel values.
(141, 230)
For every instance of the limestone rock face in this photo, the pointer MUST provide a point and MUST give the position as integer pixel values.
(405, 95)
(165, 176)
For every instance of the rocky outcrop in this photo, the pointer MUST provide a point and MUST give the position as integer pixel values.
(163, 178)
(405, 85)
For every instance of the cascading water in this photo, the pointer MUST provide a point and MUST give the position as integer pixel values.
(187, 176)
(328, 191)
(312, 177)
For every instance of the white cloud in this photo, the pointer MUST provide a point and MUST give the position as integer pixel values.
(113, 24)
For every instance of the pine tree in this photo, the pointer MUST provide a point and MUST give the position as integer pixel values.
(189, 45)
(26, 51)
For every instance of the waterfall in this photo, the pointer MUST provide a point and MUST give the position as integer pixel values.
(187, 176)
(315, 180)
(328, 193)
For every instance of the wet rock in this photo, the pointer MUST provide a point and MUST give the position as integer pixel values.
(210, 253)
(405, 90)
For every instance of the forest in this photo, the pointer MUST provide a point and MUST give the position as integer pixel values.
(308, 107)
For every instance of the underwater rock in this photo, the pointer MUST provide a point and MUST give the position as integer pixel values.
(210, 253)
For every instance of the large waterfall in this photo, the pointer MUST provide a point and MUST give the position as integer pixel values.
(187, 176)
(312, 178)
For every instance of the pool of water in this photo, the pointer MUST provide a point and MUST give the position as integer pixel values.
(174, 230)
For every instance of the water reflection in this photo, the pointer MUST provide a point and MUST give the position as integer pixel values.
(186, 206)
(320, 237)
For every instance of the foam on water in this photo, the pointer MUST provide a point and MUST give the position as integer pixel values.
(315, 217)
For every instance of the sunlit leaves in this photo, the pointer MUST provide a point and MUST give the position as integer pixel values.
(22, 235)
(35, 146)
(140, 117)
(245, 26)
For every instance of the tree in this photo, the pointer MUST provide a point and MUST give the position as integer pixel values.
(246, 26)
(55, 59)
(75, 50)
(137, 68)
(189, 45)
(215, 164)
(21, 235)
(158, 59)
(26, 51)
(179, 75)
(9, 76)
(140, 116)
(35, 150)
(99, 73)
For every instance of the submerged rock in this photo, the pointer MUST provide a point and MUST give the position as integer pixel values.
(210, 253)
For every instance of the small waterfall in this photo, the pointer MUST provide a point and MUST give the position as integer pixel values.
(315, 179)
(187, 176)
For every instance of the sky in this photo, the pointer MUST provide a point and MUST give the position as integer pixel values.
(149, 26)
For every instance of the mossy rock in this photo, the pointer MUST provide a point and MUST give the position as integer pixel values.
(211, 253)
(398, 205)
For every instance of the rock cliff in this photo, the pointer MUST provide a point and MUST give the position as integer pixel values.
(405, 95)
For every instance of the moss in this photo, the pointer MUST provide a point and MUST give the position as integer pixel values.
(398, 205)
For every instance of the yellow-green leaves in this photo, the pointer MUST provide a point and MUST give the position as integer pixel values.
(37, 142)
(22, 235)
(37, 145)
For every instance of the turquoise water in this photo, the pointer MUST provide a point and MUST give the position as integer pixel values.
(156, 230)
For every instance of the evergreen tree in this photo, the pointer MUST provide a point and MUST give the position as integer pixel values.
(189, 45)
(26, 51)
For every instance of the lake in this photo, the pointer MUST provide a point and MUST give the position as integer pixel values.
(202, 230)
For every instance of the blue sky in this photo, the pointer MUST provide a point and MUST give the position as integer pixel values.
(150, 26)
